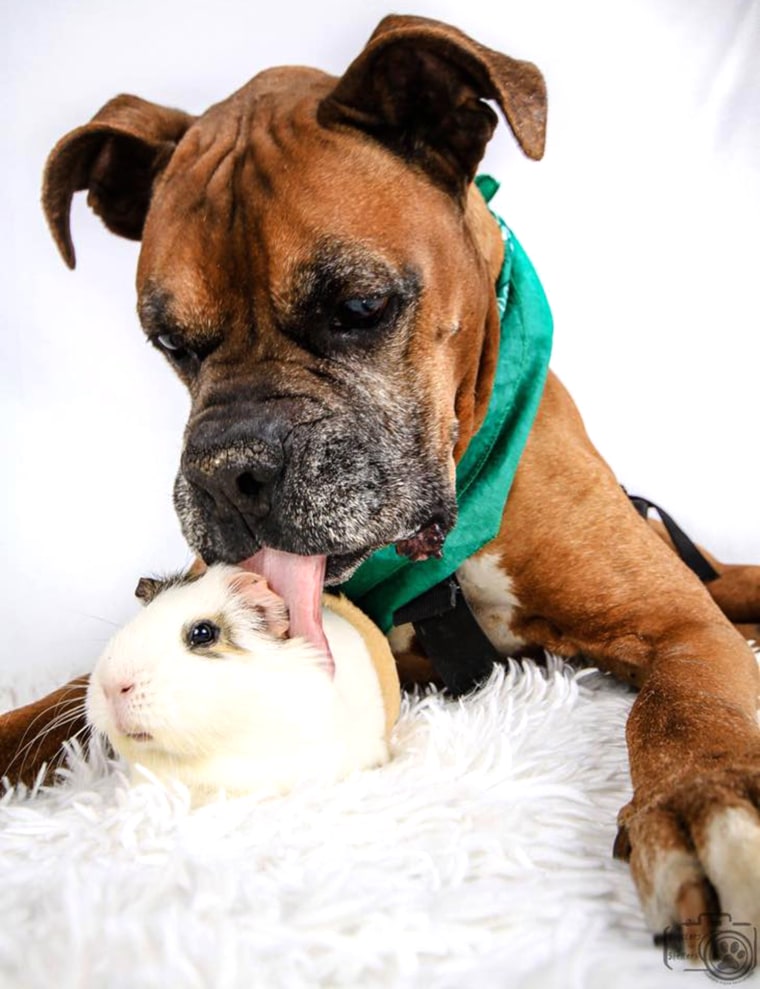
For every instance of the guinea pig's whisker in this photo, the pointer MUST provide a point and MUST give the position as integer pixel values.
(98, 618)
(77, 706)
(68, 715)
(82, 736)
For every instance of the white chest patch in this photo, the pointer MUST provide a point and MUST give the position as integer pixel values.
(491, 597)
(489, 593)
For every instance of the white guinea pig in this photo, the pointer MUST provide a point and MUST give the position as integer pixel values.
(205, 687)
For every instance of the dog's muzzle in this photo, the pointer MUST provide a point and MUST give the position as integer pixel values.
(229, 489)
(309, 481)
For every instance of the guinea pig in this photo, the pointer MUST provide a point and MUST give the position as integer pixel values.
(205, 686)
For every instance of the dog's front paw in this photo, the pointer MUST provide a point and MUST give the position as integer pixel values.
(694, 846)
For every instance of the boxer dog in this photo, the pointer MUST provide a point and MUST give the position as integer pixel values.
(319, 269)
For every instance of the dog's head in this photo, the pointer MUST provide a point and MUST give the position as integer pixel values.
(318, 270)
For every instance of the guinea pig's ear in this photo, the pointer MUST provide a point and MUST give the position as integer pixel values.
(147, 588)
(197, 568)
(260, 597)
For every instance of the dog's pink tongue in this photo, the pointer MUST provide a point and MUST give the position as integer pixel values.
(299, 581)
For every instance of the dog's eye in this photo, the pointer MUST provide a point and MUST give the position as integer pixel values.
(360, 314)
(203, 633)
(173, 344)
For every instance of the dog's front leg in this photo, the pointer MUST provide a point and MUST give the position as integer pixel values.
(693, 829)
(592, 578)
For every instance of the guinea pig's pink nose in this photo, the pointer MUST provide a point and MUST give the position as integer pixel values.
(116, 690)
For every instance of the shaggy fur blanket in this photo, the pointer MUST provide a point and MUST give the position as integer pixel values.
(479, 856)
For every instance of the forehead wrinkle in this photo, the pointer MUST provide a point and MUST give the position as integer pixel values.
(212, 184)
(219, 189)
(235, 172)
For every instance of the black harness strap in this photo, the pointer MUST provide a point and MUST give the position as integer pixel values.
(685, 548)
(460, 651)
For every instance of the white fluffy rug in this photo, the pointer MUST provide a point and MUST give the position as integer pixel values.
(479, 857)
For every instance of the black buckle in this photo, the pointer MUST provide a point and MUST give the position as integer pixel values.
(461, 653)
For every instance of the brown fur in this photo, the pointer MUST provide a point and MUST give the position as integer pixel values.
(31, 737)
(379, 653)
(591, 577)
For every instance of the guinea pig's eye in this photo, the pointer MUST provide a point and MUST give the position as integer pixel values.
(203, 633)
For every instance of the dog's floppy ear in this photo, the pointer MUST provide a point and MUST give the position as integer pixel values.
(419, 87)
(116, 157)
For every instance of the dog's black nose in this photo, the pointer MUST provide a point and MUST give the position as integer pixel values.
(253, 488)
(239, 473)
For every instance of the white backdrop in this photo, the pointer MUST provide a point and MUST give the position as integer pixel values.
(642, 221)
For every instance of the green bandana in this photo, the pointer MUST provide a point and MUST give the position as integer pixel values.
(387, 581)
